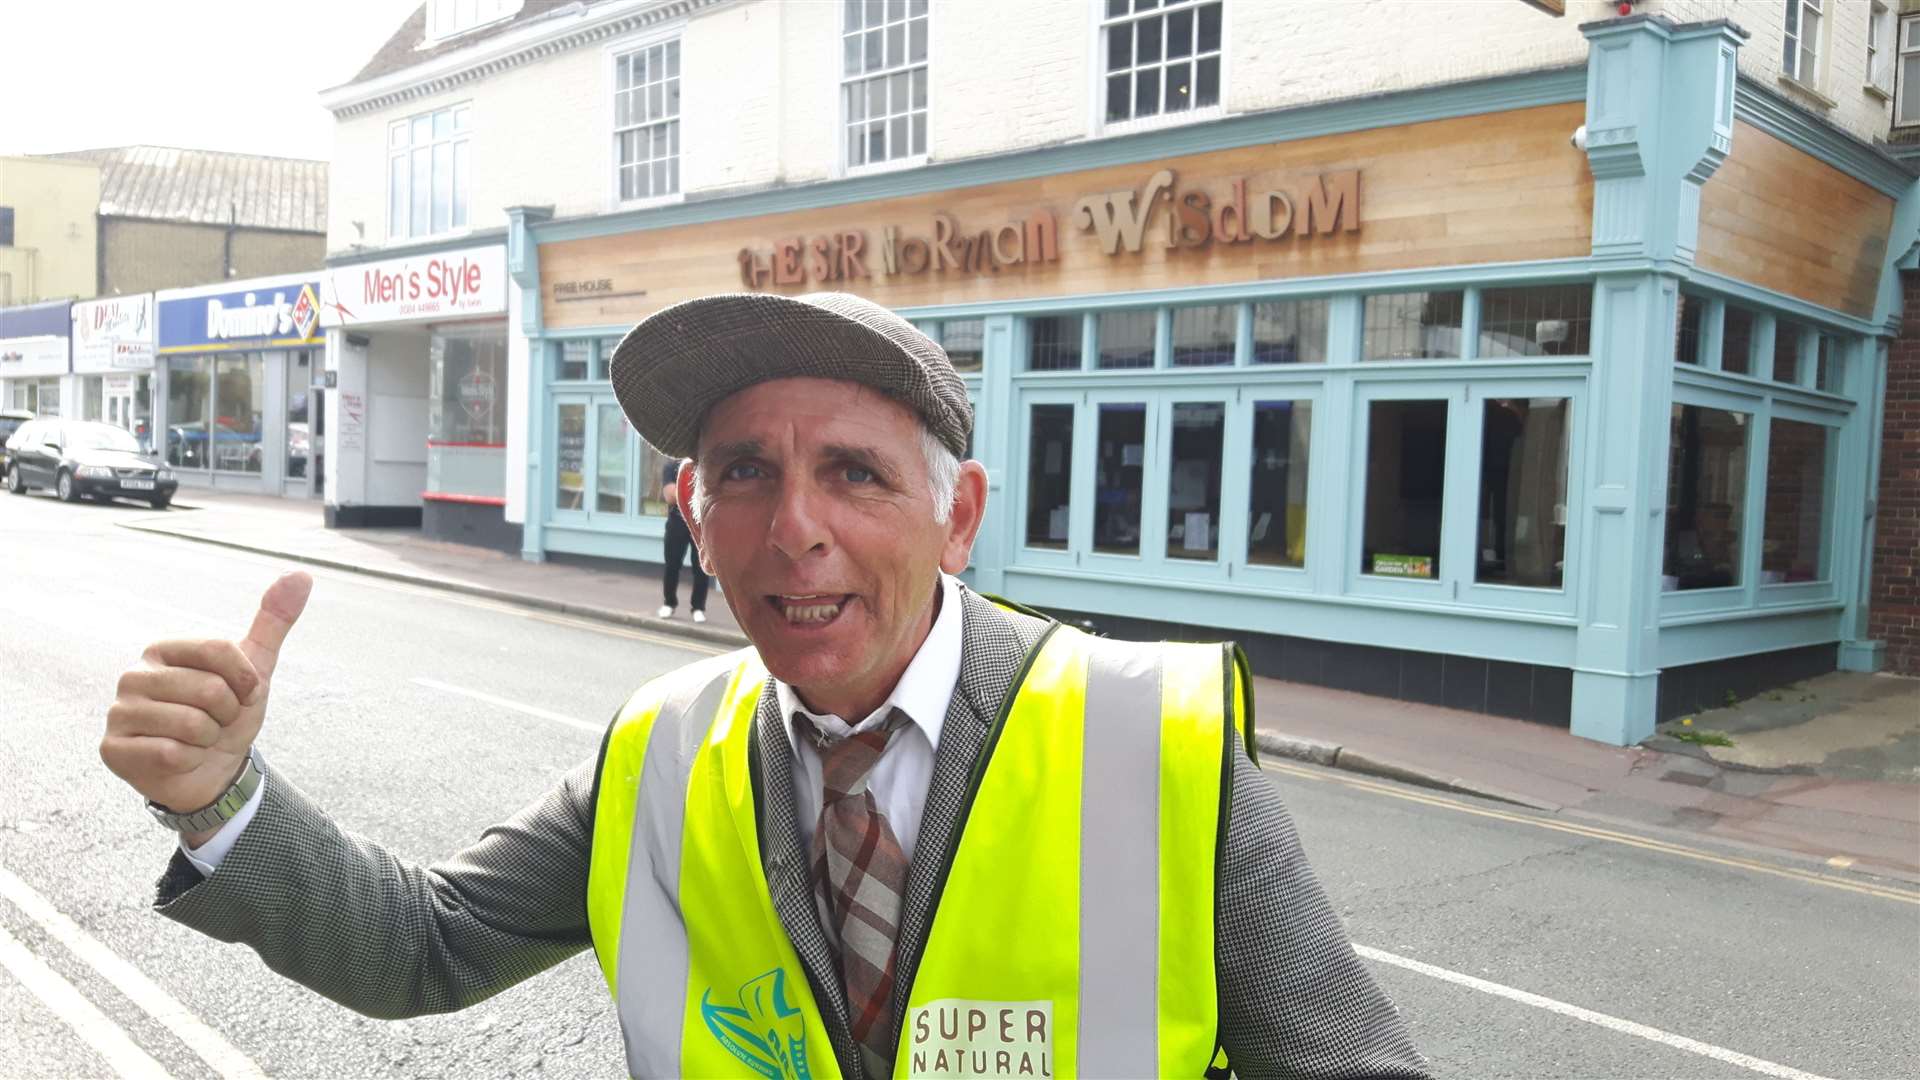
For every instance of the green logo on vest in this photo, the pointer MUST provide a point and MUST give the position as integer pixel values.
(764, 1031)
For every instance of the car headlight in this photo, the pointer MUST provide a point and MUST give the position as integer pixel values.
(96, 471)
(166, 474)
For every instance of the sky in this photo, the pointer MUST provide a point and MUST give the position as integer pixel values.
(237, 75)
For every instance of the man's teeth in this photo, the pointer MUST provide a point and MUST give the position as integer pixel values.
(805, 609)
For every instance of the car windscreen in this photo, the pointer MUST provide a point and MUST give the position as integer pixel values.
(100, 437)
(9, 425)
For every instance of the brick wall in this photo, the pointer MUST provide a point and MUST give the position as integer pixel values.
(141, 256)
(1894, 612)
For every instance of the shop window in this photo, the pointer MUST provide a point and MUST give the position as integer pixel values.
(1830, 366)
(1125, 338)
(1160, 58)
(1412, 326)
(429, 172)
(1205, 336)
(1290, 332)
(1736, 341)
(570, 436)
(299, 428)
(1406, 486)
(468, 400)
(93, 399)
(962, 339)
(1117, 486)
(1801, 59)
(883, 80)
(646, 121)
(1791, 540)
(1523, 491)
(1053, 343)
(189, 406)
(1049, 475)
(1277, 510)
(1787, 338)
(1545, 320)
(1686, 335)
(571, 360)
(1193, 480)
(239, 396)
(1706, 497)
(610, 459)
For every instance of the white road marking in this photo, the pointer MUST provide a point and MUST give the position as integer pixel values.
(1613, 1023)
(107, 1038)
(213, 1048)
(504, 703)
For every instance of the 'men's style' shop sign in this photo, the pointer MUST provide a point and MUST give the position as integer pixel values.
(285, 315)
(115, 334)
(465, 284)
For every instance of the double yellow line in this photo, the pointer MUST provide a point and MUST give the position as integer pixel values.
(1592, 832)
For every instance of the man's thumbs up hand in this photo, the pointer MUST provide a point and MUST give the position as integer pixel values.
(184, 718)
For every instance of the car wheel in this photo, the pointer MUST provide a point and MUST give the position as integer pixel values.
(64, 485)
(15, 482)
(161, 502)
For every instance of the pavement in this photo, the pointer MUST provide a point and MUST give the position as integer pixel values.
(1828, 772)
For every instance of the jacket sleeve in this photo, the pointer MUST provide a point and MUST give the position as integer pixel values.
(1296, 1000)
(344, 917)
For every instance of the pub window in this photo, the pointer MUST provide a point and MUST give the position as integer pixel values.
(1160, 58)
(1049, 475)
(1412, 326)
(571, 360)
(1801, 59)
(570, 451)
(1736, 341)
(611, 459)
(1686, 333)
(1906, 97)
(1706, 497)
(883, 80)
(1204, 336)
(1786, 351)
(1125, 339)
(1121, 466)
(646, 121)
(1290, 332)
(429, 172)
(1193, 481)
(1053, 343)
(1523, 491)
(962, 339)
(1546, 320)
(1791, 540)
(1277, 510)
(1829, 366)
(1406, 486)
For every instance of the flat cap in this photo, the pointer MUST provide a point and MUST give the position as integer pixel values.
(681, 361)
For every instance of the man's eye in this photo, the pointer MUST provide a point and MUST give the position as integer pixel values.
(740, 472)
(858, 475)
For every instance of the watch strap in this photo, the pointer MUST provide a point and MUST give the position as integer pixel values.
(219, 811)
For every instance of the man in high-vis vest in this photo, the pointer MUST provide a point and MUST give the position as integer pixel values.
(910, 832)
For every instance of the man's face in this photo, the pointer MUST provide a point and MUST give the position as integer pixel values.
(820, 526)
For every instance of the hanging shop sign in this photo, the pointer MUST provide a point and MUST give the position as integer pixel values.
(445, 285)
(270, 315)
(115, 334)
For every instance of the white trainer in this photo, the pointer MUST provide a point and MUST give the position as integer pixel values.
(699, 616)
(665, 612)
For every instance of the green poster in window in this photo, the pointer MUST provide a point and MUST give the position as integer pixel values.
(1420, 566)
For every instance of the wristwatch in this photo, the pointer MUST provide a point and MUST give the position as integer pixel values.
(216, 813)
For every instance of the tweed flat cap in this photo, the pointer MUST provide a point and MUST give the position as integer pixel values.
(681, 361)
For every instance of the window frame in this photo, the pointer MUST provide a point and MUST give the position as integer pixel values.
(1097, 123)
(842, 81)
(674, 31)
(1906, 42)
(1883, 34)
(502, 11)
(1574, 390)
(404, 151)
(1822, 10)
(1821, 587)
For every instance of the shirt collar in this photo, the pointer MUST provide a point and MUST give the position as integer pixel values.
(924, 688)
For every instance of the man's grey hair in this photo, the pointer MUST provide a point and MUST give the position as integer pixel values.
(943, 478)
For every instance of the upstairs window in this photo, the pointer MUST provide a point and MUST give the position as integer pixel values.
(1801, 60)
(1160, 59)
(446, 18)
(883, 80)
(1880, 31)
(429, 172)
(646, 121)
(1906, 100)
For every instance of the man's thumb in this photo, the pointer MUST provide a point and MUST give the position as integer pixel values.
(280, 608)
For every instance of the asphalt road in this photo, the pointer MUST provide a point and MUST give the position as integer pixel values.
(1517, 944)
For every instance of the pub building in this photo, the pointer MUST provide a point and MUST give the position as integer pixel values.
(1552, 396)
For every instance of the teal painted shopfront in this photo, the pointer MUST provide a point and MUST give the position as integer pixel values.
(1411, 394)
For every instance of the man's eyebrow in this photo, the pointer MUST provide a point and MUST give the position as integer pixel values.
(864, 456)
(732, 451)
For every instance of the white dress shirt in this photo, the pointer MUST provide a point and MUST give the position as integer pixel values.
(899, 782)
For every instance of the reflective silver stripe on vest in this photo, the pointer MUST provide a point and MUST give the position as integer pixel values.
(653, 939)
(1120, 863)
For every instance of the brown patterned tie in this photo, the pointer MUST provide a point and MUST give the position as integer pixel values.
(859, 863)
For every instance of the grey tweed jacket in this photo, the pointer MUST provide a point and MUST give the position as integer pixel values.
(339, 914)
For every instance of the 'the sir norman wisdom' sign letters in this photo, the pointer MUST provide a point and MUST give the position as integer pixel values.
(1119, 221)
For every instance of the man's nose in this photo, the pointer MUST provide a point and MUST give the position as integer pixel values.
(799, 527)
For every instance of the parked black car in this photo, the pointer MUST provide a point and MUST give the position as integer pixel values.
(80, 458)
(10, 421)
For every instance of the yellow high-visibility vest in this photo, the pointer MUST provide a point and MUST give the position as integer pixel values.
(1074, 932)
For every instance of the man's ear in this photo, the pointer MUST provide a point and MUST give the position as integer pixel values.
(969, 509)
(683, 498)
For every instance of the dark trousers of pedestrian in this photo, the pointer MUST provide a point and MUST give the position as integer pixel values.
(679, 543)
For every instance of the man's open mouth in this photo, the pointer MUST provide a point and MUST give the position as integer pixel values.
(812, 609)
